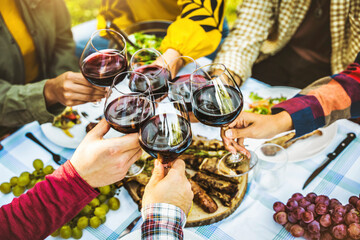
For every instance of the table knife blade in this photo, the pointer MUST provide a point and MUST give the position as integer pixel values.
(331, 156)
(130, 227)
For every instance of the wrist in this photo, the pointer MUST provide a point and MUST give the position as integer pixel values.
(284, 122)
(170, 56)
(165, 212)
(49, 95)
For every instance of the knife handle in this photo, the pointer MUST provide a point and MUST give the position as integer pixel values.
(350, 136)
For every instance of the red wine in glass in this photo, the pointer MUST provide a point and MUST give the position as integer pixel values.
(163, 142)
(126, 113)
(181, 85)
(158, 77)
(207, 110)
(100, 67)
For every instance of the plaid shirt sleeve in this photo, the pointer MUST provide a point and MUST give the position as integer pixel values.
(325, 101)
(162, 221)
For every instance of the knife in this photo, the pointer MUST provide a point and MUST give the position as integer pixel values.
(331, 157)
(130, 227)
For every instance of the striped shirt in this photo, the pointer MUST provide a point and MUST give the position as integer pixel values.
(325, 101)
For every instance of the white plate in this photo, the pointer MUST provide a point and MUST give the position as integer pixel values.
(188, 235)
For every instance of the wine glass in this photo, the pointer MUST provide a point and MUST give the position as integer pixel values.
(167, 134)
(126, 108)
(217, 101)
(103, 57)
(150, 62)
(181, 83)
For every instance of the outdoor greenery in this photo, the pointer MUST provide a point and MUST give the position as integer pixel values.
(85, 10)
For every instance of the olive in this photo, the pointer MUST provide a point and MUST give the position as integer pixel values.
(95, 203)
(25, 174)
(95, 222)
(65, 231)
(23, 180)
(86, 210)
(100, 212)
(114, 203)
(105, 207)
(18, 190)
(103, 219)
(48, 169)
(13, 181)
(102, 198)
(105, 190)
(5, 187)
(31, 184)
(83, 222)
(38, 164)
(77, 233)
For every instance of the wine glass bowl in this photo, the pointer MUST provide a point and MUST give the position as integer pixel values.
(150, 62)
(167, 133)
(240, 167)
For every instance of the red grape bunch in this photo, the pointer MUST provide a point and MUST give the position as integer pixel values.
(319, 217)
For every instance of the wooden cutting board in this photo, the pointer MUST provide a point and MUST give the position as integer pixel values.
(199, 217)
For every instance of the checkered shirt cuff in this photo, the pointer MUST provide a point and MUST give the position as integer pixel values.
(162, 221)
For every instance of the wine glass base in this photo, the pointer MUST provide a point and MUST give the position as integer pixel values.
(232, 167)
(136, 168)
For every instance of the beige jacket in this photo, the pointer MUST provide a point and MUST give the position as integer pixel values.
(264, 27)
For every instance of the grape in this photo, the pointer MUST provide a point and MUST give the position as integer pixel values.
(358, 205)
(18, 190)
(297, 231)
(102, 198)
(105, 207)
(82, 222)
(292, 217)
(337, 218)
(48, 169)
(297, 212)
(37, 174)
(326, 236)
(314, 227)
(105, 190)
(95, 222)
(103, 219)
(23, 180)
(312, 236)
(114, 203)
(99, 212)
(65, 231)
(311, 208)
(321, 208)
(297, 196)
(340, 209)
(339, 231)
(292, 204)
(279, 207)
(77, 233)
(307, 216)
(13, 181)
(95, 203)
(56, 233)
(281, 218)
(322, 199)
(86, 210)
(354, 230)
(31, 184)
(288, 226)
(353, 200)
(27, 174)
(5, 187)
(304, 202)
(311, 197)
(351, 217)
(334, 202)
(348, 207)
(325, 220)
(38, 164)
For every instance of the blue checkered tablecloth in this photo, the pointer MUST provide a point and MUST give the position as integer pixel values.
(252, 220)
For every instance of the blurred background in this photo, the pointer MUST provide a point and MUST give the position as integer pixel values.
(84, 10)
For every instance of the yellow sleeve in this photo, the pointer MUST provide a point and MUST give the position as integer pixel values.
(197, 31)
(116, 10)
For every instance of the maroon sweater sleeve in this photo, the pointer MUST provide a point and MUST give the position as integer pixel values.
(47, 206)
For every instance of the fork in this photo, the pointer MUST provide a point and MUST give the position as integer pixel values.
(57, 158)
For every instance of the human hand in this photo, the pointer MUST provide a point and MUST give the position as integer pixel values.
(251, 125)
(171, 60)
(71, 89)
(174, 188)
(101, 162)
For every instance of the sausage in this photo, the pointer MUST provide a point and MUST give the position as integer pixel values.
(202, 198)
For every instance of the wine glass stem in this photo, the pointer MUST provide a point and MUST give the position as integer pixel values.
(235, 157)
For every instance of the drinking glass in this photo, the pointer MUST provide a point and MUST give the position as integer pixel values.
(150, 62)
(270, 170)
(217, 101)
(126, 108)
(100, 62)
(167, 134)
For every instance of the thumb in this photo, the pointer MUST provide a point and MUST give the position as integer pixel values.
(99, 130)
(158, 173)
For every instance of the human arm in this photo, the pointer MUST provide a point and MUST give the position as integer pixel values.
(242, 46)
(166, 201)
(56, 200)
(117, 11)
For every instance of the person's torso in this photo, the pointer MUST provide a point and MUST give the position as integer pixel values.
(144, 10)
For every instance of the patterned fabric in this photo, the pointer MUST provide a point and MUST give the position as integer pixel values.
(162, 221)
(325, 101)
(195, 32)
(263, 28)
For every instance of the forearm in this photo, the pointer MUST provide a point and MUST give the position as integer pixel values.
(47, 206)
(162, 220)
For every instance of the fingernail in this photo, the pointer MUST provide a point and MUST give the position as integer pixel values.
(228, 133)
